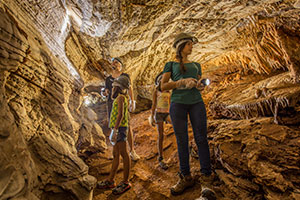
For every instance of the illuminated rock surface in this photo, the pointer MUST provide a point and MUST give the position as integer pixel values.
(54, 56)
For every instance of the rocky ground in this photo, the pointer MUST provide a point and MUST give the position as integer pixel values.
(148, 180)
(243, 158)
(253, 157)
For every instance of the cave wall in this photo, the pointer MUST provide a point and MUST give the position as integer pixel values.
(43, 121)
(51, 50)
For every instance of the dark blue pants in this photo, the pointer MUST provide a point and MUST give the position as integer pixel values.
(197, 113)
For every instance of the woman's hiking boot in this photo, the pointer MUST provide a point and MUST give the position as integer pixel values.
(106, 184)
(121, 188)
(183, 183)
(162, 164)
(206, 179)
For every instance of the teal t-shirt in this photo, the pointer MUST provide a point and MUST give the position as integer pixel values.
(186, 96)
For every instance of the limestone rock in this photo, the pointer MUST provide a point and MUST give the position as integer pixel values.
(51, 51)
(246, 149)
(243, 102)
(246, 35)
(40, 119)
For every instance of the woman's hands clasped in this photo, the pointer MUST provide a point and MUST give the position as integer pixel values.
(187, 83)
(200, 85)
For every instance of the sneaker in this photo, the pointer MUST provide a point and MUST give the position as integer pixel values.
(106, 184)
(183, 183)
(121, 188)
(162, 164)
(134, 156)
(208, 194)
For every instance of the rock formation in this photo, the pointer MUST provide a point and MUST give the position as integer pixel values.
(41, 119)
(258, 155)
(54, 56)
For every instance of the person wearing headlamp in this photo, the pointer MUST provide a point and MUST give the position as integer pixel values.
(117, 67)
(186, 100)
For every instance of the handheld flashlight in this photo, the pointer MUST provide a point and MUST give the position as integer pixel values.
(205, 81)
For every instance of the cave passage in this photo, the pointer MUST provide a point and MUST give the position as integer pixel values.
(55, 57)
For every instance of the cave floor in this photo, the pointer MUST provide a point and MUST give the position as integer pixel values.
(237, 139)
(148, 180)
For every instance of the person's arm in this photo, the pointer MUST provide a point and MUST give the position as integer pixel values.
(132, 103)
(120, 101)
(106, 93)
(199, 80)
(130, 92)
(169, 102)
(200, 86)
(154, 102)
(106, 87)
(169, 121)
(131, 96)
(166, 85)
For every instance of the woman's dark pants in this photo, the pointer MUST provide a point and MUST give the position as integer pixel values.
(197, 113)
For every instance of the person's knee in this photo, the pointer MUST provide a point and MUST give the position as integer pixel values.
(129, 129)
(125, 155)
(122, 147)
(160, 125)
(116, 153)
(201, 138)
(181, 135)
(161, 135)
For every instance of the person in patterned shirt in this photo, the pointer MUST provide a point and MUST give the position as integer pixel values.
(119, 118)
(117, 66)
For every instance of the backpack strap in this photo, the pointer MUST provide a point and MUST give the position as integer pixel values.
(196, 67)
(172, 68)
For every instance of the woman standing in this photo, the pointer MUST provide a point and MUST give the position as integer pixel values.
(159, 115)
(186, 100)
(117, 66)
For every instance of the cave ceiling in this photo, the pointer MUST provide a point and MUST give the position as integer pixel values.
(54, 54)
(235, 34)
